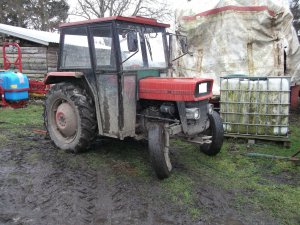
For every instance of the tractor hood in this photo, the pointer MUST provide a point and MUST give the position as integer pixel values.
(175, 89)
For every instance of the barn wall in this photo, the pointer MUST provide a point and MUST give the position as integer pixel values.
(37, 61)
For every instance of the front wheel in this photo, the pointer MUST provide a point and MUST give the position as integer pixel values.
(216, 131)
(158, 143)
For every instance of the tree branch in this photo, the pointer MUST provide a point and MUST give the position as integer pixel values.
(157, 9)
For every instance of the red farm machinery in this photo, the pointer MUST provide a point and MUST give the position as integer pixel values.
(15, 86)
(112, 82)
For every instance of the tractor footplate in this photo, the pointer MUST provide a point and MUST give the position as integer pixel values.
(200, 140)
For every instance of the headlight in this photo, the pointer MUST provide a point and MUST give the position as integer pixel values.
(192, 113)
(202, 88)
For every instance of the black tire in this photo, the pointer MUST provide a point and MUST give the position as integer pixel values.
(216, 131)
(79, 131)
(160, 159)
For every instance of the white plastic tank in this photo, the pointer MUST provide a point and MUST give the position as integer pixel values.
(255, 106)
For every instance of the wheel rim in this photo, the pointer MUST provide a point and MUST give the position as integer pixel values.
(64, 120)
(166, 152)
(167, 158)
(209, 132)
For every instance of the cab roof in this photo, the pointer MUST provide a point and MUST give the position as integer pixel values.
(132, 19)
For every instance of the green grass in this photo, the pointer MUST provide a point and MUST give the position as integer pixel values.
(3, 138)
(180, 190)
(271, 186)
(14, 118)
(259, 182)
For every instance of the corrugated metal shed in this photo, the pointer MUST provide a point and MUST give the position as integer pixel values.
(41, 37)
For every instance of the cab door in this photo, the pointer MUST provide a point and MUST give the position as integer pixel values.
(107, 79)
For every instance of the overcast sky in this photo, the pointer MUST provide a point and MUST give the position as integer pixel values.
(72, 3)
(205, 5)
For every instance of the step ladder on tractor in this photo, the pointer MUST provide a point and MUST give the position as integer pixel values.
(15, 87)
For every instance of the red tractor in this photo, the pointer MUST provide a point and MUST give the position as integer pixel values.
(112, 82)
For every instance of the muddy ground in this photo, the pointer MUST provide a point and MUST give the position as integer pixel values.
(41, 185)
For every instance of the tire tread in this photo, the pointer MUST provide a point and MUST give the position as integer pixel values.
(88, 123)
(155, 140)
(217, 137)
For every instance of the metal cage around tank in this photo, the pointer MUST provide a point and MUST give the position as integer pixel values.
(255, 106)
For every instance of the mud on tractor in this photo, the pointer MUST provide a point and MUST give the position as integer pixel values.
(112, 82)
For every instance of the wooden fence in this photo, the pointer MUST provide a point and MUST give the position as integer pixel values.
(37, 61)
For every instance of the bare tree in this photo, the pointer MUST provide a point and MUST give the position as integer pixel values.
(158, 9)
(295, 8)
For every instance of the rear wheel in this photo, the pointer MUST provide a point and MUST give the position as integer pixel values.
(158, 142)
(70, 117)
(216, 131)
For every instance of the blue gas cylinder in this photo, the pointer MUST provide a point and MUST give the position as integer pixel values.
(15, 85)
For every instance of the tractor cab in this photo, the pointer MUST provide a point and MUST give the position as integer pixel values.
(112, 81)
(113, 54)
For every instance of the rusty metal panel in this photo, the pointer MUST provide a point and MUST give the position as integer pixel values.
(109, 103)
(129, 105)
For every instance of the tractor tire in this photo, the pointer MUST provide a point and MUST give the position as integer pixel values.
(159, 152)
(216, 131)
(69, 117)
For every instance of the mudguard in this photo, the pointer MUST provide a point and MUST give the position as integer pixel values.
(56, 77)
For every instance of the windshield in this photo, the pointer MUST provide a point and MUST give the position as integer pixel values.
(131, 60)
(155, 49)
(151, 49)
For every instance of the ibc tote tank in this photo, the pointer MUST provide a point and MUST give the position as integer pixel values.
(255, 105)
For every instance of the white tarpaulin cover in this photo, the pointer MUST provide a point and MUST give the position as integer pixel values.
(237, 37)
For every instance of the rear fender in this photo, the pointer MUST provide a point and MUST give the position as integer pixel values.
(58, 77)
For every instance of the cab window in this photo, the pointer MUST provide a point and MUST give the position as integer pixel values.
(103, 45)
(75, 49)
